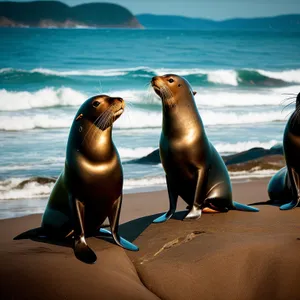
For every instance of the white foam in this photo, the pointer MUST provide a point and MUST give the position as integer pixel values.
(243, 146)
(221, 76)
(144, 182)
(252, 174)
(135, 152)
(9, 190)
(271, 97)
(17, 123)
(228, 77)
(135, 118)
(47, 97)
(288, 76)
(230, 118)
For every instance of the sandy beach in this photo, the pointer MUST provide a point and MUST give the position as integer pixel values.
(234, 255)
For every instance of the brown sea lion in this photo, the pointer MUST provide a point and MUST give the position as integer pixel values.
(89, 188)
(194, 169)
(284, 186)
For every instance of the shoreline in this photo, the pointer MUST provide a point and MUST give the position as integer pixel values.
(131, 197)
(21, 207)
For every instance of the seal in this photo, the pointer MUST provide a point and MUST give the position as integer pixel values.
(89, 188)
(194, 169)
(284, 186)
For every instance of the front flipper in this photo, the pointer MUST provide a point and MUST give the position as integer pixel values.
(173, 197)
(295, 182)
(123, 243)
(196, 210)
(82, 251)
(194, 214)
(114, 225)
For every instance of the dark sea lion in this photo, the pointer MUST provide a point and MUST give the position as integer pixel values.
(194, 169)
(89, 188)
(284, 186)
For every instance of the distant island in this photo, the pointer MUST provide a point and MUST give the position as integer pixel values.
(107, 15)
(57, 14)
(281, 23)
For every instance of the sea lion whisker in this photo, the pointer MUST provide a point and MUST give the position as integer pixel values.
(104, 120)
(91, 128)
(287, 99)
(101, 89)
(287, 106)
(108, 119)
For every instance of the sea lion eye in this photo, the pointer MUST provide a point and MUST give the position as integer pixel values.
(171, 80)
(96, 103)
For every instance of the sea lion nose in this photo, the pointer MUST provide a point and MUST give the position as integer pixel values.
(153, 79)
(119, 98)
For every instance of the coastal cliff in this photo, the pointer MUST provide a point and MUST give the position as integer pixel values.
(58, 14)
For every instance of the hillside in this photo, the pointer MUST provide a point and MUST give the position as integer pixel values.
(278, 23)
(58, 14)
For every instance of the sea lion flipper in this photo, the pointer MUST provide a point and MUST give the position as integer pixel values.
(114, 225)
(244, 207)
(295, 182)
(173, 197)
(194, 214)
(82, 251)
(31, 234)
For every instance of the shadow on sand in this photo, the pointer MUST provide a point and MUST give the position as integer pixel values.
(130, 231)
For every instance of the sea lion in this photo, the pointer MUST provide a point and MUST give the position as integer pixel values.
(89, 188)
(284, 186)
(194, 169)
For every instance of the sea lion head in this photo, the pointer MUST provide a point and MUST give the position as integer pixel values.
(101, 110)
(170, 88)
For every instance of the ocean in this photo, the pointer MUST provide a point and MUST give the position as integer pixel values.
(242, 80)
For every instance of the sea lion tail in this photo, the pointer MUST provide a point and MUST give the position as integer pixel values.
(243, 207)
(31, 234)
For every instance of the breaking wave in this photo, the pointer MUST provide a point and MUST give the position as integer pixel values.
(202, 77)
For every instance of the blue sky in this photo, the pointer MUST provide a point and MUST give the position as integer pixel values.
(212, 9)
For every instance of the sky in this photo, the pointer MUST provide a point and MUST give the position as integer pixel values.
(211, 9)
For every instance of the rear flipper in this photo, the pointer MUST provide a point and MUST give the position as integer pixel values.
(165, 217)
(243, 207)
(32, 234)
(120, 241)
(294, 203)
(295, 182)
(114, 225)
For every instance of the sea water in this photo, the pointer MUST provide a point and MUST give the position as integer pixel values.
(241, 78)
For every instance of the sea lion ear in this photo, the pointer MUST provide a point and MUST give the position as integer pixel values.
(79, 117)
(194, 93)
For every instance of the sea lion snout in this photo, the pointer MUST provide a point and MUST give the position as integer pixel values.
(118, 103)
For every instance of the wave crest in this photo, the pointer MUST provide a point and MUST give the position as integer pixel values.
(47, 97)
(201, 77)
